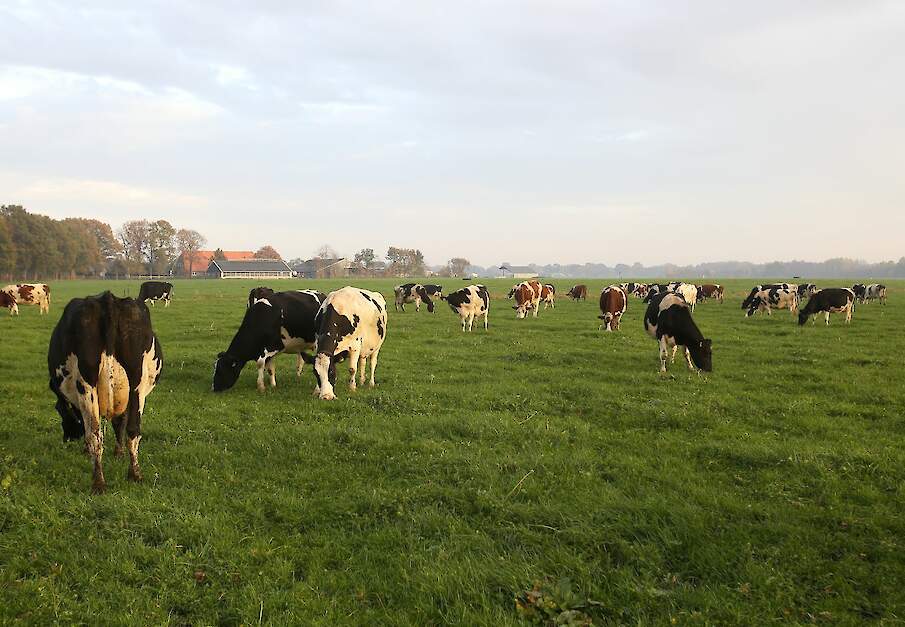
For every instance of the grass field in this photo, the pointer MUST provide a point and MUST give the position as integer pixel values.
(541, 451)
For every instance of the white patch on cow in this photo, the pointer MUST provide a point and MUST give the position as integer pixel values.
(262, 300)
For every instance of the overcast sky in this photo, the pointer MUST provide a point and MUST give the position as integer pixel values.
(559, 131)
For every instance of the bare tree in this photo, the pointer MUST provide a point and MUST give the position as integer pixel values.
(326, 252)
(457, 266)
(188, 243)
(267, 252)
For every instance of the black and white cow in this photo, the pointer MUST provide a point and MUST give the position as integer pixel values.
(668, 320)
(258, 293)
(351, 323)
(154, 291)
(469, 303)
(866, 293)
(638, 289)
(829, 300)
(806, 290)
(746, 304)
(281, 322)
(103, 361)
(412, 293)
(774, 298)
(433, 290)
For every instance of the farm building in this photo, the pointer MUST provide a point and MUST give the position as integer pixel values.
(517, 272)
(196, 264)
(249, 269)
(324, 268)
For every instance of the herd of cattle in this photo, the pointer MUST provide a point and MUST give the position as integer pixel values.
(104, 358)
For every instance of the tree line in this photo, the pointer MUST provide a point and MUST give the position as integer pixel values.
(35, 246)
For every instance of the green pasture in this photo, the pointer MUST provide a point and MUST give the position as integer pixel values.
(541, 453)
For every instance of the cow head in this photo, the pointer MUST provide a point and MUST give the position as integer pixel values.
(702, 354)
(754, 306)
(226, 372)
(71, 421)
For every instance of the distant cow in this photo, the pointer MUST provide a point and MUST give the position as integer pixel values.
(469, 303)
(351, 323)
(613, 303)
(829, 300)
(806, 290)
(154, 291)
(774, 298)
(638, 289)
(668, 320)
(548, 295)
(103, 361)
(527, 298)
(689, 292)
(9, 301)
(29, 294)
(280, 322)
(578, 292)
(746, 304)
(867, 293)
(412, 293)
(710, 291)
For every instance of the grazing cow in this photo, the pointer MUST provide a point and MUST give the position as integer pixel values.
(30, 294)
(433, 290)
(154, 291)
(746, 304)
(527, 297)
(282, 322)
(638, 289)
(829, 300)
(806, 290)
(104, 360)
(351, 323)
(412, 293)
(613, 303)
(258, 293)
(710, 290)
(578, 292)
(9, 301)
(689, 292)
(867, 293)
(548, 295)
(774, 298)
(469, 303)
(668, 320)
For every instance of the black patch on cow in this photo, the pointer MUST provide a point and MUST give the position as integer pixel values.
(373, 302)
(154, 290)
(380, 330)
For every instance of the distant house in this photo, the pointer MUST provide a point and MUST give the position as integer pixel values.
(324, 268)
(517, 272)
(249, 269)
(200, 261)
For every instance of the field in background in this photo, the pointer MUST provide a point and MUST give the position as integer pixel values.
(542, 450)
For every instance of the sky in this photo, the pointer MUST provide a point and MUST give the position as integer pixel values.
(565, 131)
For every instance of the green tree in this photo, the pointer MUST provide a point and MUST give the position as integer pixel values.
(365, 257)
(188, 243)
(7, 250)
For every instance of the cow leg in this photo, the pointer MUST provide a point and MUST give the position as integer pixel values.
(133, 430)
(827, 318)
(536, 309)
(485, 319)
(664, 354)
(94, 433)
(166, 303)
(271, 368)
(354, 355)
(688, 358)
(417, 305)
(675, 347)
(848, 315)
(261, 364)
(362, 364)
(372, 383)
(119, 426)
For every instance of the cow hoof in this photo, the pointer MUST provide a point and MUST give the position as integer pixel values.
(118, 451)
(134, 475)
(328, 397)
(98, 487)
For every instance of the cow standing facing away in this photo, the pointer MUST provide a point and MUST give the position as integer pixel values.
(668, 320)
(280, 322)
(829, 300)
(412, 293)
(548, 295)
(469, 303)
(351, 323)
(104, 360)
(578, 292)
(613, 303)
(154, 291)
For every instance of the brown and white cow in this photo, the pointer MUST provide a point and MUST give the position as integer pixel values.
(578, 292)
(710, 290)
(9, 301)
(30, 294)
(613, 303)
(548, 295)
(527, 296)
